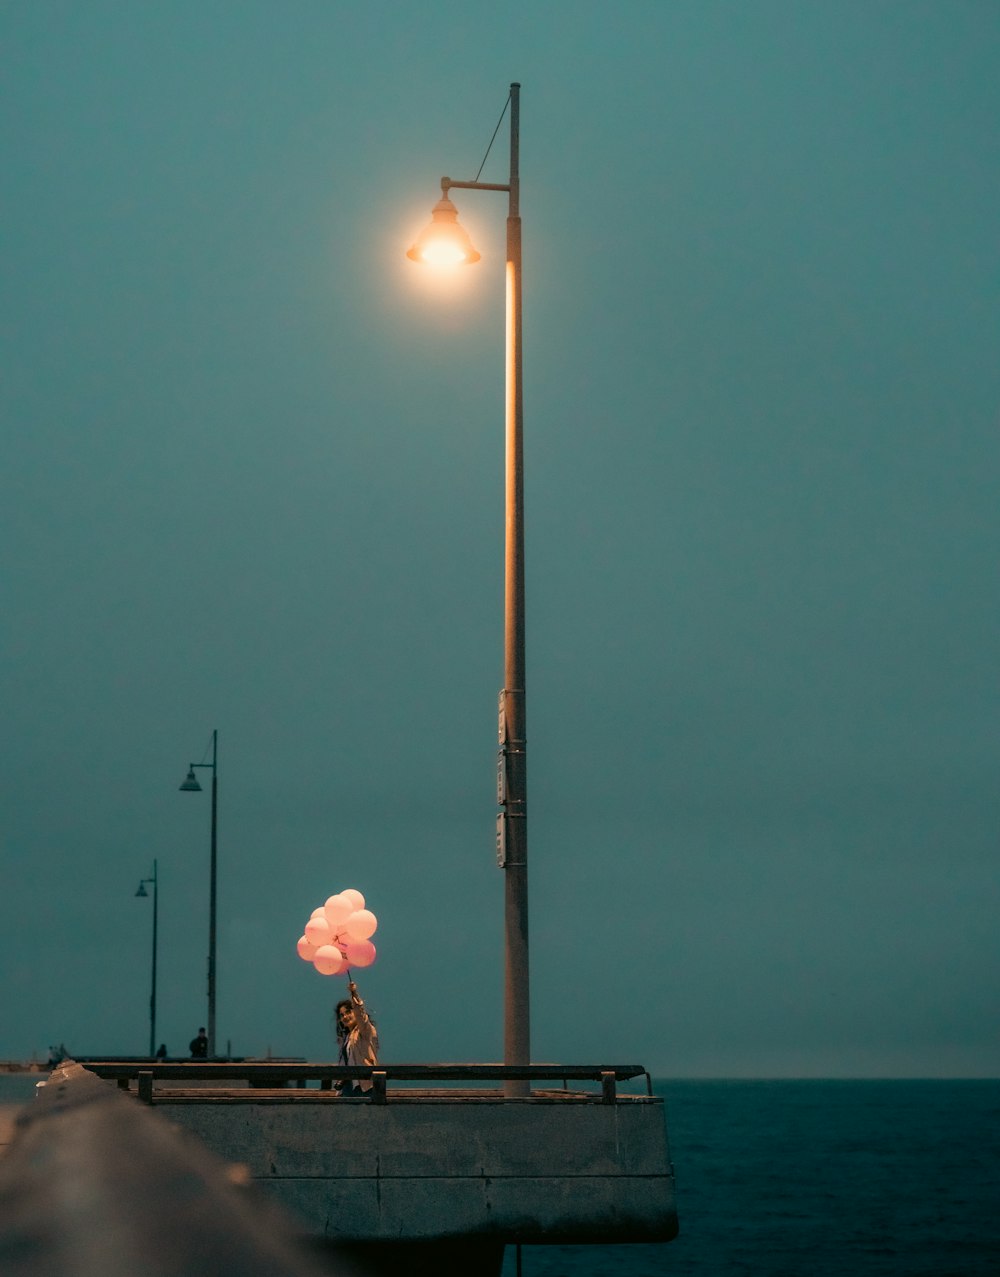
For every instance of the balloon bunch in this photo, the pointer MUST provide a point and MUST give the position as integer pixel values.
(336, 936)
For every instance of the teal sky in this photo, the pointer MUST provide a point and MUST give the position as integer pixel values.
(251, 477)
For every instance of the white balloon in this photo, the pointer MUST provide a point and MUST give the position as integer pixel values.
(329, 960)
(318, 931)
(306, 950)
(359, 953)
(361, 924)
(337, 910)
(355, 897)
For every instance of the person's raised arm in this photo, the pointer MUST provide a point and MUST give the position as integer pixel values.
(364, 1023)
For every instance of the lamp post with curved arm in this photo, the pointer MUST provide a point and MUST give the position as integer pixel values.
(444, 242)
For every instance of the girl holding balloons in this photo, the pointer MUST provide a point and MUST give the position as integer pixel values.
(337, 937)
(357, 1038)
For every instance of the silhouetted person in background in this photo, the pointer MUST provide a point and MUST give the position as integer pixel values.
(57, 1054)
(199, 1046)
(161, 1053)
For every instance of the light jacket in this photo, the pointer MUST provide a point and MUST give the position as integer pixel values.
(360, 1047)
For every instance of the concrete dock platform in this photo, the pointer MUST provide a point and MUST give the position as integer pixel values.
(407, 1177)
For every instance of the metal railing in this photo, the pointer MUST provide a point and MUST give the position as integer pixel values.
(272, 1074)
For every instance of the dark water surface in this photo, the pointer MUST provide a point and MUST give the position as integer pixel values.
(808, 1179)
(812, 1178)
(19, 1088)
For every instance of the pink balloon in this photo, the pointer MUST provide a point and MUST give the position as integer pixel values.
(316, 912)
(318, 931)
(359, 953)
(306, 950)
(337, 910)
(329, 960)
(356, 899)
(361, 924)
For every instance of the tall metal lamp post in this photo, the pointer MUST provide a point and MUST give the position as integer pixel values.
(152, 996)
(444, 242)
(192, 786)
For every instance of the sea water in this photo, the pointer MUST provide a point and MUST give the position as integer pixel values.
(19, 1088)
(818, 1179)
(806, 1179)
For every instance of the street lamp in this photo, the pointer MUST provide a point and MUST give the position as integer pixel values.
(191, 786)
(445, 242)
(152, 996)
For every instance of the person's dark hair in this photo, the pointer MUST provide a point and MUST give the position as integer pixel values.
(344, 1002)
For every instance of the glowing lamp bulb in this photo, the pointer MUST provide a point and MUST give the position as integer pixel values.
(443, 241)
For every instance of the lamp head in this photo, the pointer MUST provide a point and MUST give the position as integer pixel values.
(142, 889)
(443, 241)
(191, 783)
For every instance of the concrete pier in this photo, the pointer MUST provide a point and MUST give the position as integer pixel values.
(416, 1178)
(422, 1167)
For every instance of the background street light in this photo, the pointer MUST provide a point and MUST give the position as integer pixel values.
(445, 242)
(152, 996)
(192, 786)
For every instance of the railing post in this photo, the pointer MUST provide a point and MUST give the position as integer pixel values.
(378, 1086)
(608, 1090)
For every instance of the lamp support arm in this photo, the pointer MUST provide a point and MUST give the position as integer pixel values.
(447, 184)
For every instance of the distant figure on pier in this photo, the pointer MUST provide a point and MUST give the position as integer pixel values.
(161, 1052)
(57, 1054)
(199, 1046)
(357, 1038)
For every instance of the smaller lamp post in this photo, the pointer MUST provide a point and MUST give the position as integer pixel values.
(152, 996)
(191, 786)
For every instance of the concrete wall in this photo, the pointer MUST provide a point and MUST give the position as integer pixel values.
(529, 1171)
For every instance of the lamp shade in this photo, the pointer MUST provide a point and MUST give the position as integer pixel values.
(191, 783)
(443, 241)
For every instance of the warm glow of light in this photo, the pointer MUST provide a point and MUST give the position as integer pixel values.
(442, 252)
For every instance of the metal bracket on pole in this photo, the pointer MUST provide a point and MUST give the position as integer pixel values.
(504, 841)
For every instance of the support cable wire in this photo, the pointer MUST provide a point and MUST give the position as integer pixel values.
(493, 138)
